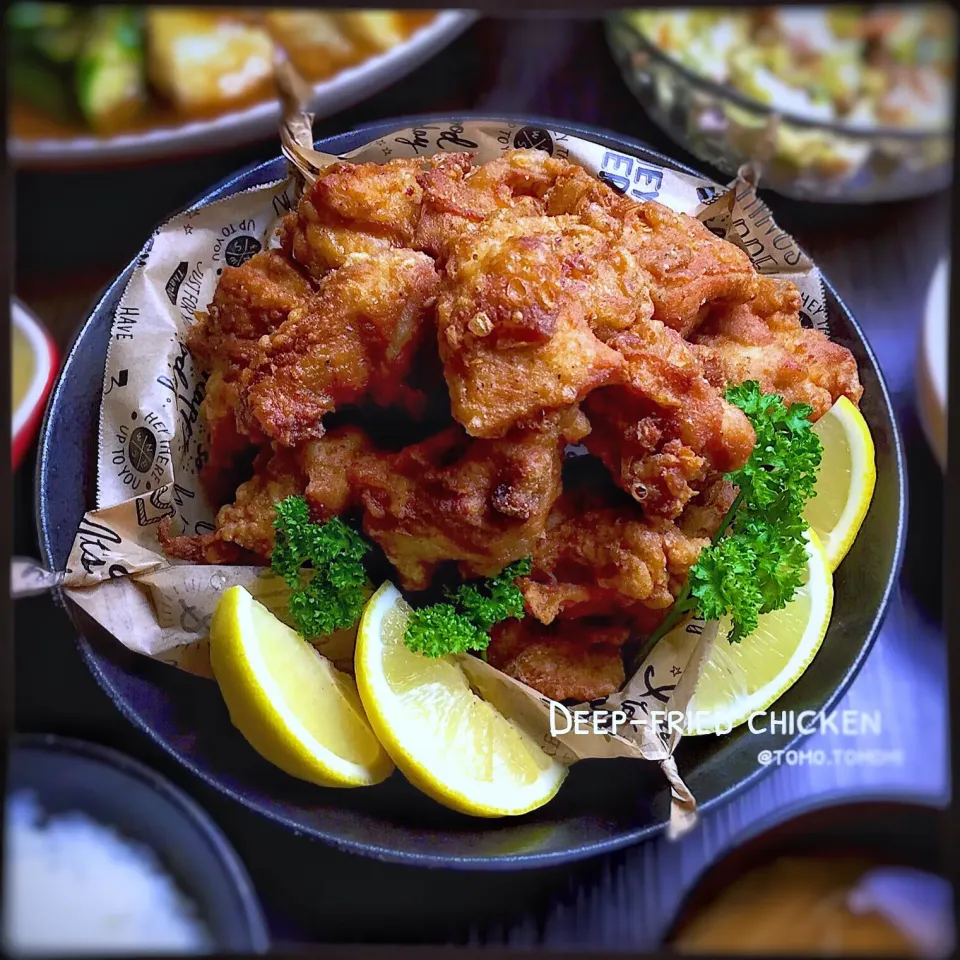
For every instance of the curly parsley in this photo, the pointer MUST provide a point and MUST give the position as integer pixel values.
(332, 596)
(757, 558)
(464, 622)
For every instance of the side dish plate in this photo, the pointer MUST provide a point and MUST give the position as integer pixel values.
(601, 807)
(343, 90)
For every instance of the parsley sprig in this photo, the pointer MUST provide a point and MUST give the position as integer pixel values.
(463, 623)
(332, 595)
(756, 560)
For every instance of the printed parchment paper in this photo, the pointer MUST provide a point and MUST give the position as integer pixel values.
(152, 439)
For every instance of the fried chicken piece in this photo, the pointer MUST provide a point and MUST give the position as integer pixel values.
(244, 529)
(482, 503)
(703, 516)
(205, 548)
(328, 465)
(457, 199)
(244, 533)
(598, 557)
(764, 340)
(513, 333)
(570, 660)
(248, 521)
(362, 208)
(662, 431)
(250, 301)
(356, 338)
(689, 268)
(230, 450)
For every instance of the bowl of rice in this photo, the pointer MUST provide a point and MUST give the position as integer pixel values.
(104, 857)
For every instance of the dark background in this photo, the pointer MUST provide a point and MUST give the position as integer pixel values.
(74, 232)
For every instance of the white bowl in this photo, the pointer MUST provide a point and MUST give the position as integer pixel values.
(932, 363)
(27, 413)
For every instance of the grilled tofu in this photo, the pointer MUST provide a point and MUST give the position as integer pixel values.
(206, 61)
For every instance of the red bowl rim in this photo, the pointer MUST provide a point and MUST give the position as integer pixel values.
(27, 414)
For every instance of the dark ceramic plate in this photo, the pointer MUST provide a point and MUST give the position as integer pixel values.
(69, 775)
(601, 807)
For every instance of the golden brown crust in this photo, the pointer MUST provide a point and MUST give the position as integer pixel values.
(598, 557)
(513, 333)
(355, 209)
(764, 340)
(686, 265)
(663, 429)
(571, 660)
(356, 338)
(481, 503)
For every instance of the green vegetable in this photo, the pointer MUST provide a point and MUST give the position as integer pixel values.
(332, 597)
(41, 86)
(439, 629)
(758, 556)
(110, 74)
(25, 17)
(42, 40)
(464, 622)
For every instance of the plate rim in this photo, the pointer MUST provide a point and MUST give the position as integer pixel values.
(627, 838)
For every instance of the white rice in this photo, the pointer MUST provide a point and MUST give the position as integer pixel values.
(74, 886)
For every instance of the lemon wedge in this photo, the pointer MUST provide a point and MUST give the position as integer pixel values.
(455, 747)
(290, 703)
(848, 474)
(741, 679)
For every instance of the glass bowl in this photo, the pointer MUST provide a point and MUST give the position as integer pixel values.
(801, 158)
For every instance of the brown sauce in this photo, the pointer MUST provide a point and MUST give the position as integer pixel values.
(802, 906)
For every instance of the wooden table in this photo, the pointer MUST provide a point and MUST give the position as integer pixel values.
(75, 232)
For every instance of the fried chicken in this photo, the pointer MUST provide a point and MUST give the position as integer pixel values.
(663, 430)
(688, 267)
(482, 503)
(421, 203)
(457, 199)
(570, 660)
(204, 548)
(513, 332)
(518, 292)
(355, 339)
(364, 208)
(250, 301)
(704, 515)
(320, 470)
(599, 557)
(244, 529)
(764, 340)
